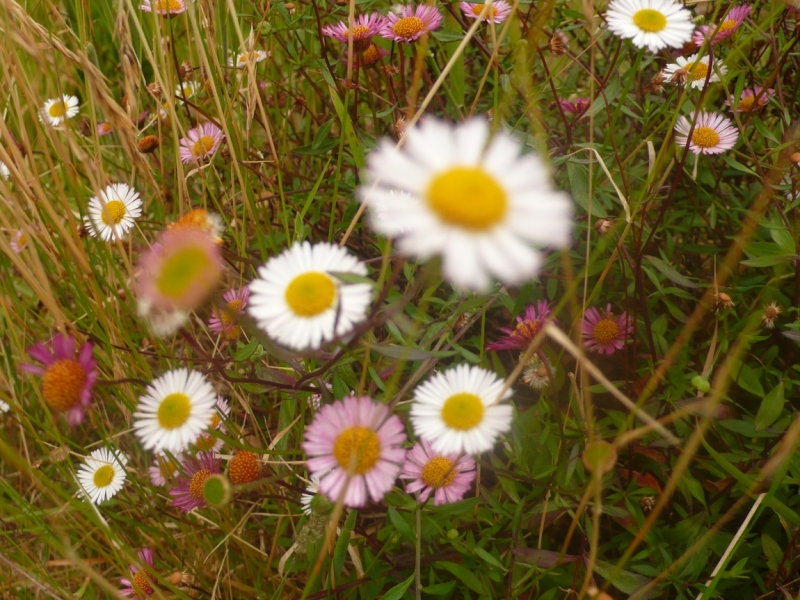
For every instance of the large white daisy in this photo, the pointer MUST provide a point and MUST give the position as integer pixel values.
(102, 475)
(476, 201)
(457, 411)
(299, 300)
(176, 409)
(651, 24)
(693, 71)
(58, 110)
(113, 212)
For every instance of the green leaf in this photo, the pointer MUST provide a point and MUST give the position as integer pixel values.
(772, 550)
(246, 352)
(400, 524)
(447, 35)
(748, 381)
(402, 352)
(668, 271)
(771, 408)
(625, 581)
(766, 261)
(397, 592)
(440, 589)
(465, 576)
(737, 165)
(340, 551)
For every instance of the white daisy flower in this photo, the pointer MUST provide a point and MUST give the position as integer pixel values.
(242, 60)
(58, 110)
(476, 201)
(457, 411)
(712, 134)
(176, 409)
(5, 173)
(651, 24)
(299, 300)
(4, 406)
(187, 89)
(693, 71)
(113, 212)
(102, 474)
(307, 497)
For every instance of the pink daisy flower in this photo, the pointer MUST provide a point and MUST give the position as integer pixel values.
(580, 106)
(713, 133)
(366, 26)
(200, 142)
(717, 33)
(603, 333)
(448, 476)
(368, 57)
(141, 585)
(412, 23)
(104, 129)
(165, 8)
(208, 442)
(226, 319)
(66, 381)
(188, 491)
(164, 469)
(359, 434)
(752, 99)
(19, 242)
(497, 13)
(528, 325)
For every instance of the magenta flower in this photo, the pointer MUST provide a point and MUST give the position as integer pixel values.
(142, 582)
(752, 99)
(165, 8)
(226, 319)
(164, 469)
(200, 142)
(412, 23)
(104, 129)
(717, 33)
(712, 134)
(368, 57)
(528, 325)
(603, 333)
(580, 106)
(66, 382)
(366, 26)
(188, 491)
(497, 13)
(355, 438)
(448, 476)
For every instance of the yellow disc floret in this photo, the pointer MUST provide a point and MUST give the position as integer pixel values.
(462, 411)
(203, 146)
(103, 476)
(357, 447)
(113, 212)
(310, 294)
(174, 410)
(468, 197)
(705, 137)
(62, 384)
(439, 472)
(58, 109)
(650, 20)
(408, 27)
(606, 331)
(197, 482)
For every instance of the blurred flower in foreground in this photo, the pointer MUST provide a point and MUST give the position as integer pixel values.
(58, 110)
(651, 24)
(141, 585)
(225, 319)
(102, 475)
(770, 314)
(356, 438)
(19, 242)
(693, 71)
(366, 26)
(200, 218)
(112, 214)
(164, 469)
(497, 12)
(412, 23)
(187, 89)
(603, 333)
(717, 33)
(200, 142)
(245, 58)
(752, 99)
(528, 325)
(457, 410)
(188, 491)
(66, 382)
(5, 172)
(299, 300)
(447, 476)
(4, 406)
(104, 128)
(207, 441)
(578, 107)
(176, 408)
(472, 199)
(713, 133)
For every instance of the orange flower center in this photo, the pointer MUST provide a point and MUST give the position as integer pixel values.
(196, 484)
(205, 442)
(606, 331)
(142, 581)
(439, 472)
(62, 384)
(697, 70)
(727, 25)
(244, 468)
(408, 27)
(479, 9)
(370, 55)
(705, 137)
(203, 146)
(168, 6)
(358, 447)
(527, 329)
(230, 312)
(359, 32)
(746, 104)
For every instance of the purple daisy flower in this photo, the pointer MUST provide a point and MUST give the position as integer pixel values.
(603, 332)
(447, 476)
(66, 381)
(497, 13)
(201, 142)
(528, 325)
(412, 23)
(578, 107)
(752, 99)
(142, 582)
(716, 33)
(226, 319)
(355, 438)
(188, 491)
(368, 57)
(366, 26)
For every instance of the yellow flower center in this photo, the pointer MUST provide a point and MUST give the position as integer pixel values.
(697, 70)
(650, 20)
(606, 331)
(103, 476)
(196, 483)
(370, 55)
(203, 146)
(468, 197)
(310, 294)
(166, 467)
(215, 421)
(408, 27)
(104, 127)
(359, 32)
(527, 329)
(230, 312)
(439, 472)
(174, 410)
(705, 137)
(479, 9)
(357, 447)
(728, 25)
(141, 583)
(462, 411)
(746, 104)
(244, 468)
(58, 109)
(168, 5)
(62, 384)
(113, 212)
(22, 240)
(205, 442)
(184, 268)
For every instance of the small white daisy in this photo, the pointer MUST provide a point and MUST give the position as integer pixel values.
(478, 202)
(307, 497)
(176, 409)
(113, 212)
(242, 60)
(4, 406)
(712, 134)
(5, 173)
(187, 89)
(651, 24)
(102, 474)
(299, 300)
(58, 110)
(693, 71)
(457, 411)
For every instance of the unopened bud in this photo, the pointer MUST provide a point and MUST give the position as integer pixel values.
(795, 158)
(603, 226)
(559, 43)
(155, 90)
(724, 301)
(186, 71)
(701, 383)
(147, 144)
